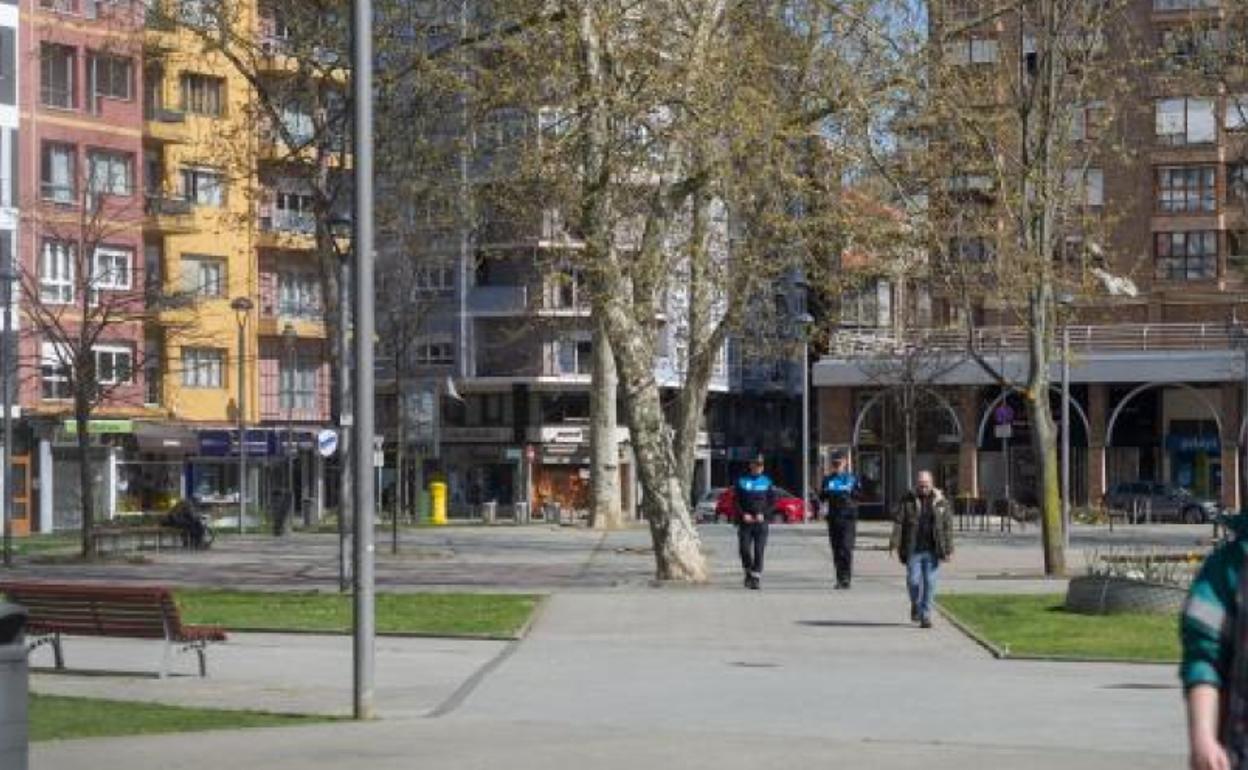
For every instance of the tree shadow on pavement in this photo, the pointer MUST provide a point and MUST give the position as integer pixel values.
(852, 624)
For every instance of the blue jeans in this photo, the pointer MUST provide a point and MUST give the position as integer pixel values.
(921, 569)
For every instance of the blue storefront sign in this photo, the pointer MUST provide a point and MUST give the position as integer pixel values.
(224, 443)
(1177, 442)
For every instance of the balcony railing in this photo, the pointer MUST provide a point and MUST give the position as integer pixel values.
(286, 221)
(1109, 338)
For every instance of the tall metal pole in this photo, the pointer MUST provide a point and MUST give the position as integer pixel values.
(1240, 439)
(805, 422)
(6, 284)
(291, 359)
(1066, 434)
(242, 420)
(362, 84)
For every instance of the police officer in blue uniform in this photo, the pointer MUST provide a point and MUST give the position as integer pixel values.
(756, 501)
(840, 490)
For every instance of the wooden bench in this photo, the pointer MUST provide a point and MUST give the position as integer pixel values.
(157, 535)
(93, 609)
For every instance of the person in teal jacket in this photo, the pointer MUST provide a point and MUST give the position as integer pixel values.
(1214, 670)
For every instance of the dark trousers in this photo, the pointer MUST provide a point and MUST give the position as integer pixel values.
(842, 531)
(752, 541)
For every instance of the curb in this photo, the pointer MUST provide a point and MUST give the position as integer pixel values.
(1003, 653)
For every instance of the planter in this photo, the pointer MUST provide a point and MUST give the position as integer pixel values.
(1108, 595)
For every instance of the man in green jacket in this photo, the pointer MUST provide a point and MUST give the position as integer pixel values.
(923, 538)
(1214, 670)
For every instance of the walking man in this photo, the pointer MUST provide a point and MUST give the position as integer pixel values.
(840, 491)
(923, 537)
(756, 500)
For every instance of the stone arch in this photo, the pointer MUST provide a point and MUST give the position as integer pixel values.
(1074, 404)
(871, 403)
(1113, 416)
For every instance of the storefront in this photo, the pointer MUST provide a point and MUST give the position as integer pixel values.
(212, 478)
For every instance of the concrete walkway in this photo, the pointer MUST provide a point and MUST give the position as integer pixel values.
(620, 675)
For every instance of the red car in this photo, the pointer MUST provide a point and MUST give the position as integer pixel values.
(789, 508)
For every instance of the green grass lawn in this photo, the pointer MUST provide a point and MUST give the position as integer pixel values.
(53, 717)
(451, 614)
(1038, 625)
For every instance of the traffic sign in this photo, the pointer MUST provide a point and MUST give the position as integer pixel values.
(327, 442)
(1003, 414)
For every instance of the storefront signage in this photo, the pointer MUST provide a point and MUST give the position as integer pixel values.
(1188, 443)
(327, 443)
(100, 427)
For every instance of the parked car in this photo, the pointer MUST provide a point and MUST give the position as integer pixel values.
(1167, 502)
(789, 507)
(705, 508)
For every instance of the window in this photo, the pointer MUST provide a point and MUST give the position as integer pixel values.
(8, 66)
(1236, 112)
(1186, 121)
(435, 278)
(202, 94)
(971, 249)
(1087, 121)
(435, 352)
(203, 276)
(1237, 245)
(574, 356)
(113, 76)
(1237, 183)
(1187, 189)
(202, 367)
(54, 373)
(293, 212)
(114, 364)
(972, 50)
(1186, 46)
(57, 174)
(970, 184)
(1188, 256)
(1184, 5)
(110, 173)
(152, 377)
(203, 187)
(112, 268)
(56, 272)
(298, 384)
(1087, 186)
(868, 306)
(298, 294)
(57, 65)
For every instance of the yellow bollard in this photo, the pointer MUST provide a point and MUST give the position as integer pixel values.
(437, 493)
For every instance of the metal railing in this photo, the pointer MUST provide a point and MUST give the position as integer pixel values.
(1125, 338)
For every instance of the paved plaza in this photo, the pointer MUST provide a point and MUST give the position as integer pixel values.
(617, 673)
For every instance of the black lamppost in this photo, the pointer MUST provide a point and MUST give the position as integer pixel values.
(242, 309)
(288, 339)
(7, 276)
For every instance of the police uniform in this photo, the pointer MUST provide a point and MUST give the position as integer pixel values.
(840, 491)
(756, 496)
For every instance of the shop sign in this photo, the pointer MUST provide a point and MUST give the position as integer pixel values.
(100, 427)
(1177, 442)
(511, 453)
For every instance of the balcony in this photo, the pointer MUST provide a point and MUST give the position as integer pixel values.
(169, 214)
(498, 300)
(286, 229)
(164, 125)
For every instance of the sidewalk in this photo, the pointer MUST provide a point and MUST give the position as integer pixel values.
(632, 676)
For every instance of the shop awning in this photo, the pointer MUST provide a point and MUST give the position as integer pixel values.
(156, 438)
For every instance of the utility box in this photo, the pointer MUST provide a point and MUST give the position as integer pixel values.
(14, 688)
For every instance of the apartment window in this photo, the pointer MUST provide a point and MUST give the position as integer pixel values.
(971, 50)
(56, 272)
(113, 76)
(1236, 112)
(8, 66)
(868, 306)
(1187, 256)
(203, 276)
(1087, 121)
(298, 384)
(1237, 183)
(575, 355)
(1186, 121)
(1187, 189)
(114, 365)
(57, 67)
(435, 352)
(203, 367)
(435, 278)
(1184, 5)
(980, 184)
(54, 373)
(293, 212)
(110, 173)
(203, 187)
(298, 294)
(1184, 47)
(203, 94)
(112, 268)
(57, 175)
(971, 249)
(1087, 186)
(152, 378)
(1237, 245)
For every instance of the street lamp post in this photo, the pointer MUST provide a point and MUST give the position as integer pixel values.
(288, 339)
(7, 276)
(1066, 300)
(242, 308)
(804, 322)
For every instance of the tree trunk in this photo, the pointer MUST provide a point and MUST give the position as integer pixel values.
(604, 474)
(82, 419)
(1049, 492)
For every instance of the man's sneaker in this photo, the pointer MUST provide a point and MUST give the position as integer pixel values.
(925, 623)
(843, 584)
(748, 581)
(914, 612)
